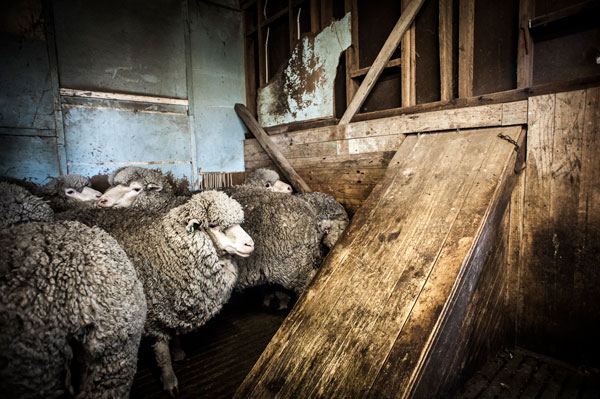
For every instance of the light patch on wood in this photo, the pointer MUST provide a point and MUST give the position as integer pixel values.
(303, 88)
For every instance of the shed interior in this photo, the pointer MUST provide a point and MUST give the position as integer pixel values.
(470, 168)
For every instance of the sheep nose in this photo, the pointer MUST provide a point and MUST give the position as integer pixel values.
(103, 202)
(289, 188)
(249, 243)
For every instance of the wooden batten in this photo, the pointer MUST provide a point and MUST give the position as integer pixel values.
(466, 44)
(395, 291)
(446, 56)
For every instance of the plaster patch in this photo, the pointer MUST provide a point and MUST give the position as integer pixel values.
(303, 88)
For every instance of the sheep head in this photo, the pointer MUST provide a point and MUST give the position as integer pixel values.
(70, 187)
(135, 187)
(268, 179)
(219, 216)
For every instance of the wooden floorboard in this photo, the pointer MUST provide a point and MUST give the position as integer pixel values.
(218, 355)
(521, 374)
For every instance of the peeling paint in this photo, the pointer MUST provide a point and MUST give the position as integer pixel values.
(303, 89)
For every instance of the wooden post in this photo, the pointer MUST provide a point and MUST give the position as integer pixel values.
(261, 44)
(291, 25)
(315, 16)
(352, 52)
(466, 39)
(525, 50)
(408, 53)
(392, 42)
(271, 149)
(446, 55)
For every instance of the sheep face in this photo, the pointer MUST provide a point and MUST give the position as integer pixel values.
(123, 196)
(86, 194)
(268, 179)
(233, 240)
(219, 216)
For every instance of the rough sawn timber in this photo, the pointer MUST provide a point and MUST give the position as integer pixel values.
(383, 301)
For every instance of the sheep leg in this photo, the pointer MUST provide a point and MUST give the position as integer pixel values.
(177, 351)
(163, 359)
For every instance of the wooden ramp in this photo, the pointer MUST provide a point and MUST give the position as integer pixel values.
(388, 301)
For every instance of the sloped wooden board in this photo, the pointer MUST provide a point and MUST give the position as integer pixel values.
(379, 307)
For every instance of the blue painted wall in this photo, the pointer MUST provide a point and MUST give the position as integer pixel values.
(218, 83)
(123, 46)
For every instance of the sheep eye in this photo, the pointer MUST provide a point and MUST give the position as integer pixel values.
(212, 226)
(137, 189)
(268, 185)
(70, 191)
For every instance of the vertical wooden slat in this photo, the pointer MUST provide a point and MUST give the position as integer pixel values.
(466, 40)
(261, 44)
(408, 53)
(352, 52)
(446, 54)
(525, 50)
(315, 16)
(390, 45)
(189, 77)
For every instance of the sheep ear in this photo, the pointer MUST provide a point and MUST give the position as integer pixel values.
(153, 187)
(192, 226)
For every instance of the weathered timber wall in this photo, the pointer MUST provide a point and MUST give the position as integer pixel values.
(560, 254)
(347, 161)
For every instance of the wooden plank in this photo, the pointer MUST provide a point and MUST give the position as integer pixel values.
(561, 227)
(383, 57)
(262, 67)
(525, 49)
(373, 160)
(121, 96)
(514, 113)
(466, 41)
(409, 76)
(264, 140)
(579, 9)
(352, 63)
(446, 54)
(461, 118)
(363, 71)
(431, 210)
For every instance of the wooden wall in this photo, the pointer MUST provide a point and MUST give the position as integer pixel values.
(559, 273)
(347, 161)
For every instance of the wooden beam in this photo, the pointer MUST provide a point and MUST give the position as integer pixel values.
(271, 149)
(579, 9)
(352, 63)
(446, 53)
(363, 71)
(292, 25)
(466, 41)
(408, 56)
(261, 44)
(494, 98)
(326, 13)
(525, 49)
(390, 45)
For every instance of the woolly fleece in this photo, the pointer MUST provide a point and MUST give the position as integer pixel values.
(65, 285)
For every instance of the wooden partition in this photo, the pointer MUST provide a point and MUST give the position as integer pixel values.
(347, 161)
(399, 298)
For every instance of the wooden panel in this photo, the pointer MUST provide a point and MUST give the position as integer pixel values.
(28, 157)
(409, 76)
(561, 237)
(436, 205)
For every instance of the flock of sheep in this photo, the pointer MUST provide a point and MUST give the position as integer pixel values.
(86, 274)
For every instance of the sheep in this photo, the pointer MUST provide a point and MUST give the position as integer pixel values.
(68, 294)
(67, 191)
(62, 192)
(17, 205)
(183, 258)
(141, 188)
(268, 179)
(287, 238)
